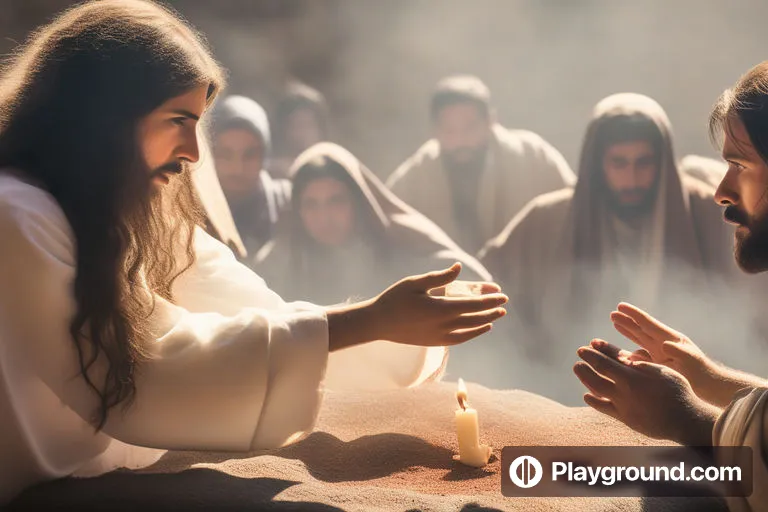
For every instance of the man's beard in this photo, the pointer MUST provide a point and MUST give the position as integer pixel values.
(751, 240)
(176, 167)
(626, 210)
(465, 159)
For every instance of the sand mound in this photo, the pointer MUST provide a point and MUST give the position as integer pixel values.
(372, 451)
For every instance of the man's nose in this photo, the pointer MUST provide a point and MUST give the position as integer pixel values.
(190, 150)
(726, 194)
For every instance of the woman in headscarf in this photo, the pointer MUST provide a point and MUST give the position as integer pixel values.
(347, 234)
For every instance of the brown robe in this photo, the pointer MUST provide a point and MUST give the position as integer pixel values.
(520, 166)
(397, 242)
(560, 267)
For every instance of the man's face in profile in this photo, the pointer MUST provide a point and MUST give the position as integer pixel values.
(631, 175)
(168, 135)
(743, 191)
(463, 131)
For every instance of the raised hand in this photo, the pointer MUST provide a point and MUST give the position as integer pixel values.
(650, 398)
(660, 343)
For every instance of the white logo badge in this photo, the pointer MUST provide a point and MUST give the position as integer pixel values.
(525, 471)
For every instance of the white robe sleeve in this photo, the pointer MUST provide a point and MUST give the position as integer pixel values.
(745, 423)
(243, 378)
(218, 282)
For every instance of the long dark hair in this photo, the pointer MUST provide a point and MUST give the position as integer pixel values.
(70, 104)
(747, 100)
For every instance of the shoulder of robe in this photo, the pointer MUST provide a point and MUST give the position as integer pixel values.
(542, 214)
(520, 141)
(701, 196)
(529, 145)
(697, 188)
(426, 155)
(29, 212)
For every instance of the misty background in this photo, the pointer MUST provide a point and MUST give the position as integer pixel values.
(547, 62)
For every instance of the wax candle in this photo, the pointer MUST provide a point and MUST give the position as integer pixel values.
(471, 452)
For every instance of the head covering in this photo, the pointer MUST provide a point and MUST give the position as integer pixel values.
(402, 240)
(673, 226)
(244, 113)
(218, 216)
(299, 96)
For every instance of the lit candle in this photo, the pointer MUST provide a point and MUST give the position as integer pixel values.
(471, 452)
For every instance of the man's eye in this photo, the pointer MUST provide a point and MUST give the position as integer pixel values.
(179, 121)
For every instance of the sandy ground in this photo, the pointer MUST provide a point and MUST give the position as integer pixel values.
(371, 451)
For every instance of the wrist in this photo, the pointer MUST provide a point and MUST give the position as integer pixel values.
(717, 383)
(697, 431)
(350, 325)
(709, 381)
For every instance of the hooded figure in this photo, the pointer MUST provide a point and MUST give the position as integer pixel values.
(475, 175)
(633, 229)
(301, 120)
(241, 146)
(347, 235)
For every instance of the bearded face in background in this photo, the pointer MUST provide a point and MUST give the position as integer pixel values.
(463, 131)
(630, 178)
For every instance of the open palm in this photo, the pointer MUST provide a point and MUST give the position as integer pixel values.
(660, 343)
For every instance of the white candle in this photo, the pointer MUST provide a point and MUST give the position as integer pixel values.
(471, 452)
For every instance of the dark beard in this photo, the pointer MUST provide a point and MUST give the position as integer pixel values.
(631, 211)
(751, 248)
(474, 161)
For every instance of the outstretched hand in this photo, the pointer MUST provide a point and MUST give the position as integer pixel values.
(652, 399)
(660, 343)
(435, 309)
(664, 345)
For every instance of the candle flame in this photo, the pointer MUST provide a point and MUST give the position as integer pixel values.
(461, 394)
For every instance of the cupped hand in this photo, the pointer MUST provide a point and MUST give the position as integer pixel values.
(423, 310)
(650, 398)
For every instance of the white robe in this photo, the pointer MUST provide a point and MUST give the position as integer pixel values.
(233, 366)
(745, 423)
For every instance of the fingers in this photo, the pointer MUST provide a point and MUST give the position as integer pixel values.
(603, 364)
(436, 279)
(650, 368)
(601, 405)
(595, 382)
(640, 355)
(462, 305)
(649, 324)
(678, 351)
(460, 336)
(486, 288)
(606, 348)
(477, 319)
(465, 289)
(627, 327)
